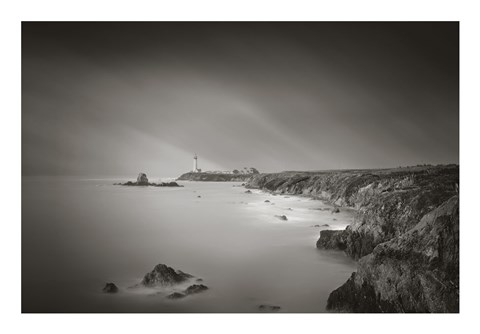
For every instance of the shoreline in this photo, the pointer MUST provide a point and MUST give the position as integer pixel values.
(400, 221)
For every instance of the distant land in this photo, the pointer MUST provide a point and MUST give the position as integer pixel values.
(220, 176)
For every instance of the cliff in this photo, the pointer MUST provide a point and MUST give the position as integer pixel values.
(203, 176)
(405, 234)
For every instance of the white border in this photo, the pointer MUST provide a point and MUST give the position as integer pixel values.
(13, 12)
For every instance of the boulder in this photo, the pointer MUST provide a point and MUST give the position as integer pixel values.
(175, 295)
(195, 288)
(248, 192)
(330, 239)
(267, 201)
(164, 275)
(142, 179)
(110, 288)
(282, 217)
(335, 210)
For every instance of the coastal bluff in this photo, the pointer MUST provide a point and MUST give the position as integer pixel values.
(405, 234)
(215, 177)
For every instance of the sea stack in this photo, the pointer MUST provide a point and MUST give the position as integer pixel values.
(142, 179)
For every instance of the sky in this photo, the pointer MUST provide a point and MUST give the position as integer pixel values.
(111, 99)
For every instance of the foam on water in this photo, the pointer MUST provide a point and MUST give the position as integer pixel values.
(77, 235)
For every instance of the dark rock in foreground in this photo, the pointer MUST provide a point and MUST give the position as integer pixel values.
(248, 192)
(195, 288)
(164, 275)
(269, 308)
(175, 295)
(330, 239)
(282, 217)
(110, 288)
(192, 289)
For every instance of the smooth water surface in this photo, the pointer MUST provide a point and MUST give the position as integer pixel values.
(78, 234)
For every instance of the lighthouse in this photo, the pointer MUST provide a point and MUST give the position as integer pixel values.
(195, 165)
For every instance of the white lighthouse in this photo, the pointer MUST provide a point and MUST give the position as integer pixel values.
(195, 164)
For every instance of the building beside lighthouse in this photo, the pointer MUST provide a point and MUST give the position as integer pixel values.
(195, 164)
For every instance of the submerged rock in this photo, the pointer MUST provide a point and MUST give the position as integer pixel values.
(335, 210)
(164, 275)
(110, 288)
(248, 192)
(175, 295)
(192, 289)
(269, 308)
(282, 217)
(267, 201)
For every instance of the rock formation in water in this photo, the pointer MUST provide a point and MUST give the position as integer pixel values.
(281, 217)
(163, 275)
(142, 180)
(175, 295)
(269, 308)
(192, 289)
(195, 288)
(405, 234)
(110, 288)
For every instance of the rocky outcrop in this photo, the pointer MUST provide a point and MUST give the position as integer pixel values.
(417, 271)
(214, 177)
(195, 288)
(330, 239)
(405, 233)
(110, 288)
(163, 275)
(269, 308)
(192, 289)
(387, 202)
(142, 180)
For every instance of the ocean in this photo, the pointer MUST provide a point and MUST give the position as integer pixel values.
(78, 234)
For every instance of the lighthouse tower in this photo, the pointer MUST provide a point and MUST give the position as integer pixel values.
(195, 169)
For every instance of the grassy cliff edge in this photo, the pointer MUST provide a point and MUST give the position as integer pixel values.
(405, 234)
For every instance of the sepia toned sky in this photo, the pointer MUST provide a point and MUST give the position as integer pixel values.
(116, 99)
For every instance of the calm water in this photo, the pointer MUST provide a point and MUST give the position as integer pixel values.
(79, 234)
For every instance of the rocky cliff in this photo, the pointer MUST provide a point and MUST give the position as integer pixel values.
(405, 234)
